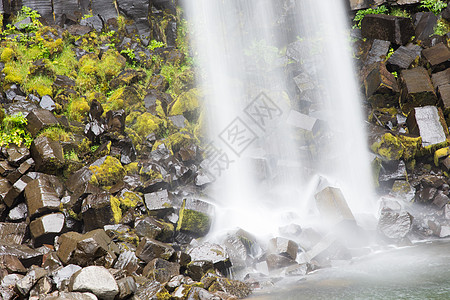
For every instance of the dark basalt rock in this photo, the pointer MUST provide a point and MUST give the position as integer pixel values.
(17, 155)
(397, 30)
(161, 270)
(21, 170)
(4, 188)
(381, 86)
(128, 262)
(150, 249)
(126, 78)
(159, 203)
(47, 154)
(11, 197)
(44, 229)
(437, 54)
(25, 254)
(40, 119)
(115, 120)
(378, 51)
(94, 22)
(232, 287)
(417, 89)
(96, 210)
(127, 287)
(424, 25)
(215, 253)
(18, 213)
(41, 197)
(277, 261)
(403, 57)
(428, 123)
(197, 268)
(195, 217)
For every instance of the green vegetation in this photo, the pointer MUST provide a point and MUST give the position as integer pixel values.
(13, 131)
(442, 27)
(435, 6)
(369, 11)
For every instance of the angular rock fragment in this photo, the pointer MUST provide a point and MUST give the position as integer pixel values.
(96, 280)
(47, 227)
(12, 233)
(40, 119)
(302, 121)
(441, 199)
(215, 253)
(127, 287)
(424, 28)
(328, 248)
(159, 203)
(25, 284)
(332, 206)
(151, 290)
(25, 254)
(161, 270)
(97, 211)
(378, 51)
(127, 261)
(4, 187)
(381, 86)
(62, 276)
(47, 154)
(41, 197)
(277, 261)
(10, 199)
(437, 54)
(427, 123)
(441, 78)
(444, 95)
(283, 247)
(403, 57)
(196, 269)
(195, 217)
(397, 30)
(150, 249)
(21, 170)
(417, 89)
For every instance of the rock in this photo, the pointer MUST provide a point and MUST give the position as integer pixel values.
(39, 119)
(283, 247)
(47, 155)
(401, 189)
(12, 233)
(328, 248)
(178, 121)
(395, 226)
(148, 227)
(25, 284)
(215, 253)
(62, 276)
(159, 203)
(391, 171)
(378, 51)
(69, 296)
(47, 227)
(21, 170)
(332, 206)
(444, 93)
(5, 186)
(437, 54)
(97, 211)
(296, 270)
(16, 190)
(94, 22)
(151, 290)
(161, 270)
(17, 155)
(232, 287)
(403, 57)
(397, 30)
(127, 261)
(5, 168)
(197, 268)
(424, 27)
(11, 264)
(380, 86)
(43, 286)
(127, 287)
(441, 199)
(150, 249)
(126, 78)
(445, 231)
(63, 82)
(47, 103)
(116, 120)
(427, 122)
(41, 197)
(96, 280)
(302, 121)
(277, 261)
(195, 217)
(417, 89)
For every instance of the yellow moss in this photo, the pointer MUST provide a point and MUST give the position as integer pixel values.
(441, 153)
(392, 147)
(78, 109)
(174, 141)
(115, 207)
(132, 168)
(151, 174)
(130, 199)
(146, 123)
(186, 102)
(112, 63)
(57, 134)
(108, 173)
(7, 55)
(40, 84)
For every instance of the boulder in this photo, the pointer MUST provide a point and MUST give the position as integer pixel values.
(97, 211)
(403, 57)
(417, 89)
(424, 25)
(161, 270)
(16, 190)
(25, 254)
(12, 233)
(444, 97)
(62, 275)
(128, 262)
(197, 268)
(47, 227)
(441, 78)
(215, 253)
(39, 119)
(437, 54)
(25, 284)
(96, 280)
(41, 197)
(377, 52)
(428, 123)
(395, 225)
(283, 247)
(150, 249)
(381, 86)
(235, 288)
(159, 203)
(333, 206)
(47, 155)
(195, 217)
(397, 30)
(127, 287)
(277, 261)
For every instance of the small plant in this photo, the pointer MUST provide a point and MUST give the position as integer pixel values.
(435, 6)
(442, 27)
(26, 12)
(155, 44)
(129, 52)
(71, 155)
(398, 12)
(389, 54)
(86, 16)
(13, 131)
(370, 11)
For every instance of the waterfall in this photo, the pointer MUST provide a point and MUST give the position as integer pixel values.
(268, 147)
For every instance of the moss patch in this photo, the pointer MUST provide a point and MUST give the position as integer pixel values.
(108, 173)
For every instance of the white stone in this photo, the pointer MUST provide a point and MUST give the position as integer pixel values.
(96, 280)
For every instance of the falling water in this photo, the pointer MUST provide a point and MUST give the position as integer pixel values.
(265, 170)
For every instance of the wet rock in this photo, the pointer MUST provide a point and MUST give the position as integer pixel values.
(441, 199)
(378, 51)
(25, 284)
(150, 249)
(403, 57)
(41, 197)
(5, 169)
(283, 247)
(215, 253)
(94, 129)
(195, 217)
(197, 268)
(17, 155)
(327, 249)
(97, 211)
(11, 264)
(42, 287)
(39, 119)
(417, 89)
(426, 194)
(126, 78)
(47, 103)
(159, 203)
(178, 121)
(16, 190)
(397, 30)
(21, 170)
(302, 121)
(62, 276)
(232, 287)
(45, 228)
(401, 189)
(116, 120)
(151, 290)
(161, 270)
(181, 258)
(395, 226)
(5, 186)
(63, 82)
(127, 261)
(296, 270)
(277, 261)
(25, 254)
(94, 22)
(427, 122)
(444, 94)
(333, 206)
(148, 227)
(158, 82)
(425, 23)
(12, 233)
(437, 54)
(47, 155)
(127, 287)
(96, 280)
(380, 86)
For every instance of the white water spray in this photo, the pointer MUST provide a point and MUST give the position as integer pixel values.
(263, 179)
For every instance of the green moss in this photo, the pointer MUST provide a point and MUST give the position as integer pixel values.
(145, 123)
(132, 168)
(65, 62)
(40, 84)
(78, 109)
(115, 207)
(186, 102)
(392, 147)
(193, 221)
(111, 64)
(57, 134)
(7, 55)
(123, 98)
(108, 173)
(175, 141)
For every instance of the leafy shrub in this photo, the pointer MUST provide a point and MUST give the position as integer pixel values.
(370, 11)
(435, 6)
(13, 131)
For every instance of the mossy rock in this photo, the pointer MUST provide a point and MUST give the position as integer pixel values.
(126, 78)
(187, 102)
(123, 98)
(112, 63)
(195, 222)
(7, 55)
(107, 171)
(143, 123)
(391, 147)
(175, 141)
